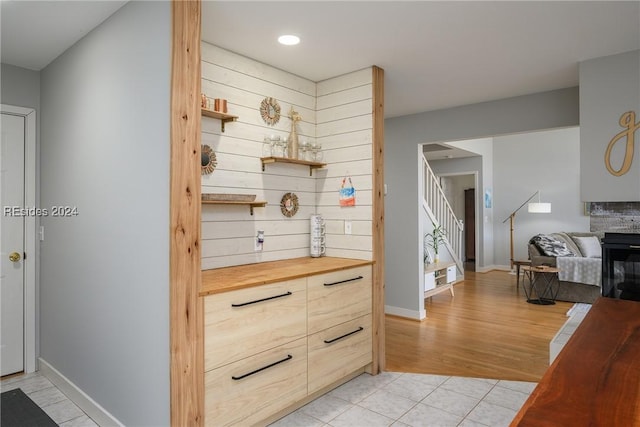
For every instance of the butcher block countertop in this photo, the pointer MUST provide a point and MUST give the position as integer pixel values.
(595, 380)
(245, 276)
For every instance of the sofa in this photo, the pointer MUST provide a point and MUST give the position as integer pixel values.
(573, 253)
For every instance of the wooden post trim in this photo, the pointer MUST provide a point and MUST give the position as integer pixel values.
(186, 313)
(378, 220)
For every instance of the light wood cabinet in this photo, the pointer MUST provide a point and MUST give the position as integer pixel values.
(244, 322)
(439, 277)
(270, 346)
(337, 351)
(251, 389)
(338, 297)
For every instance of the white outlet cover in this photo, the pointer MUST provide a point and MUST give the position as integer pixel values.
(347, 227)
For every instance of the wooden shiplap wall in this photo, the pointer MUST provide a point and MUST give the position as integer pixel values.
(345, 130)
(336, 112)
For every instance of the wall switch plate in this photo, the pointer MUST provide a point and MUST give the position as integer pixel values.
(259, 241)
(347, 227)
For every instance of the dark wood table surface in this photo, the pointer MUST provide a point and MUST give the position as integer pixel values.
(595, 380)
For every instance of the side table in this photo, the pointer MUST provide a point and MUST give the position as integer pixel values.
(518, 264)
(541, 280)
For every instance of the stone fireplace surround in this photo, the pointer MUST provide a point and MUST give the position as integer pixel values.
(615, 217)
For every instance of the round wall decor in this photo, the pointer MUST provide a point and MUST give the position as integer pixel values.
(208, 160)
(289, 205)
(270, 111)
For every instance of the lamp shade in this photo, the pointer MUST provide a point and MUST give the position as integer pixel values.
(540, 207)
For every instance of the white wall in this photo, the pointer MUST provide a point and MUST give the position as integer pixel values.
(20, 87)
(547, 161)
(454, 187)
(336, 112)
(609, 87)
(105, 272)
(402, 135)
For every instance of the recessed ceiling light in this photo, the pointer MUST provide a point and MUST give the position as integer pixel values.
(289, 40)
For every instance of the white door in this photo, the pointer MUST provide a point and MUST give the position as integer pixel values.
(12, 231)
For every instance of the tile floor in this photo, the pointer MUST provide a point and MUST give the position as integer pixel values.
(52, 401)
(388, 399)
(418, 400)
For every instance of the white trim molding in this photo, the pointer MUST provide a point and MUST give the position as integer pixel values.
(30, 243)
(92, 408)
(488, 268)
(403, 312)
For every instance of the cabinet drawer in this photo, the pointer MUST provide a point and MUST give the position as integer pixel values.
(338, 297)
(247, 321)
(451, 273)
(339, 351)
(264, 384)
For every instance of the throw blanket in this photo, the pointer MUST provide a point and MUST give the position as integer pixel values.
(581, 270)
(550, 246)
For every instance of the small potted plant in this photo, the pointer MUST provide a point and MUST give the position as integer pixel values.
(433, 240)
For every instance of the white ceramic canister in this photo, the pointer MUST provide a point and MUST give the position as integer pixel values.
(317, 246)
(316, 224)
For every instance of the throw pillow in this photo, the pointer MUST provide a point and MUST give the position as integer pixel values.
(589, 246)
(550, 246)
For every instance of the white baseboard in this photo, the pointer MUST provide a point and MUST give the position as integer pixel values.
(96, 412)
(403, 312)
(492, 267)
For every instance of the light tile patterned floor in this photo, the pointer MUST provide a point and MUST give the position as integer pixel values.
(388, 399)
(417, 400)
(52, 401)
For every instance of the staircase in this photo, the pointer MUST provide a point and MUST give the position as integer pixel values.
(439, 211)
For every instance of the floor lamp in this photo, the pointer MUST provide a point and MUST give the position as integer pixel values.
(535, 207)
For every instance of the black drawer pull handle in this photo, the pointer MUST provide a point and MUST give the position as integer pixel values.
(343, 281)
(289, 357)
(360, 328)
(286, 294)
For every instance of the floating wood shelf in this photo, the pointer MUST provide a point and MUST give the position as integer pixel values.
(223, 117)
(312, 165)
(254, 204)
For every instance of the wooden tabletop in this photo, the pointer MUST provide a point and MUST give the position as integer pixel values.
(438, 266)
(540, 269)
(595, 380)
(245, 276)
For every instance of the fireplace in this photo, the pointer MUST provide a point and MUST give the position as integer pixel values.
(621, 266)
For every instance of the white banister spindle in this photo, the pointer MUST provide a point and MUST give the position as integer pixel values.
(441, 213)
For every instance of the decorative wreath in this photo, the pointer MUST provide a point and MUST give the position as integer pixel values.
(270, 111)
(208, 160)
(289, 205)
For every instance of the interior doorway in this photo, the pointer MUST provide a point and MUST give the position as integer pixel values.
(12, 229)
(461, 194)
(18, 230)
(470, 229)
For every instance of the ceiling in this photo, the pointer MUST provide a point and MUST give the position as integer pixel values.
(444, 151)
(436, 54)
(34, 33)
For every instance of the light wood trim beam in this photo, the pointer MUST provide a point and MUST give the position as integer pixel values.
(378, 220)
(186, 311)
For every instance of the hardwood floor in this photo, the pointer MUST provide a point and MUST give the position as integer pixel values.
(487, 330)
